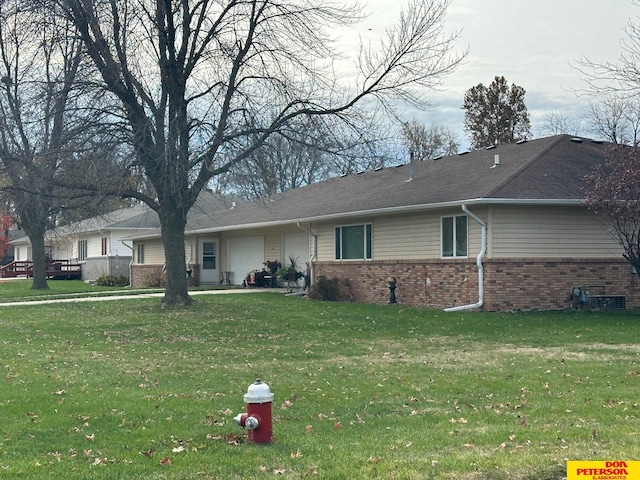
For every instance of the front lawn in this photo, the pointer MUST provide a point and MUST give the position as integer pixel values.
(126, 389)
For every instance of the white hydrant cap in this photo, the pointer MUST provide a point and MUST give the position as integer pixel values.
(258, 392)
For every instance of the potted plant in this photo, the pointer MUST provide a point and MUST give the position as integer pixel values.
(290, 272)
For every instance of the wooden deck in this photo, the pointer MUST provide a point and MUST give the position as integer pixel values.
(56, 270)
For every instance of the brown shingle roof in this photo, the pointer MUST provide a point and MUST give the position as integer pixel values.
(543, 169)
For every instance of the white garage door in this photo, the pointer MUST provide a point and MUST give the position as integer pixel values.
(245, 255)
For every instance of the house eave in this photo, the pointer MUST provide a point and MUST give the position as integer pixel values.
(376, 212)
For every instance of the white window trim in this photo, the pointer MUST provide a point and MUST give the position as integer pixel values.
(454, 236)
(140, 246)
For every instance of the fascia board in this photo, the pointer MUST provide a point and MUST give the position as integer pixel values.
(376, 212)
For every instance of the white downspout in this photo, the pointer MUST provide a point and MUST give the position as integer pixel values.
(130, 263)
(483, 250)
(313, 255)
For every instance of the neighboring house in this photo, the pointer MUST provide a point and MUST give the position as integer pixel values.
(10, 235)
(505, 223)
(102, 245)
(97, 244)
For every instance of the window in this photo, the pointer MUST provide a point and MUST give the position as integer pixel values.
(454, 236)
(82, 250)
(353, 242)
(105, 246)
(140, 252)
(208, 255)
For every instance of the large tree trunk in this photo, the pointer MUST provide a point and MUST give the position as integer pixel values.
(173, 223)
(39, 262)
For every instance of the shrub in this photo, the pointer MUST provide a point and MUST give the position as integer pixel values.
(112, 281)
(325, 289)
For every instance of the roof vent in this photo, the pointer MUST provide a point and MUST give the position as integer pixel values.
(412, 170)
(437, 158)
(490, 147)
(576, 140)
(597, 142)
(520, 142)
(496, 161)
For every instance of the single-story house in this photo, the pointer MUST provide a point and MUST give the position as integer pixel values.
(97, 244)
(101, 244)
(9, 236)
(498, 228)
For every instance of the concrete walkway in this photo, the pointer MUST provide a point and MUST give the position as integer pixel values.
(134, 296)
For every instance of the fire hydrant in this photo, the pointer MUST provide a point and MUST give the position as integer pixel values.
(257, 420)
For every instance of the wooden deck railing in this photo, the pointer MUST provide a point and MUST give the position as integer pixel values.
(56, 269)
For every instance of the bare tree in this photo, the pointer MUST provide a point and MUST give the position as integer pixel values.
(42, 118)
(309, 150)
(196, 81)
(615, 117)
(428, 142)
(556, 123)
(621, 76)
(612, 192)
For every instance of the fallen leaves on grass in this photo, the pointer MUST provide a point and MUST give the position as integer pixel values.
(147, 453)
(230, 438)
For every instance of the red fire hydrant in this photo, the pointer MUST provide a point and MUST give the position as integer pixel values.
(257, 420)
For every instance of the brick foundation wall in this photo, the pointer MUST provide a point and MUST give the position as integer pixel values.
(530, 284)
(145, 275)
(152, 276)
(522, 284)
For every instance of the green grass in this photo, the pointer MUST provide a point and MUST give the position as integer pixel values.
(20, 290)
(361, 391)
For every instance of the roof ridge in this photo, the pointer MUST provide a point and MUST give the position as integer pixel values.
(526, 165)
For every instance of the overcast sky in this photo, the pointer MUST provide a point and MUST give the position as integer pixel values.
(532, 43)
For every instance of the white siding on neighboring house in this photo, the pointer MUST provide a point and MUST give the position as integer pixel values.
(549, 232)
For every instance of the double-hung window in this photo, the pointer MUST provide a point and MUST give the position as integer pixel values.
(354, 242)
(82, 250)
(454, 236)
(140, 252)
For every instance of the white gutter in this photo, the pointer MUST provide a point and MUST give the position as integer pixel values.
(313, 255)
(483, 250)
(376, 211)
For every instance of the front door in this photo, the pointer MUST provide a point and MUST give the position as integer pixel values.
(209, 272)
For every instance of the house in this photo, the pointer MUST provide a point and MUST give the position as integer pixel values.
(498, 228)
(97, 243)
(101, 244)
(9, 236)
